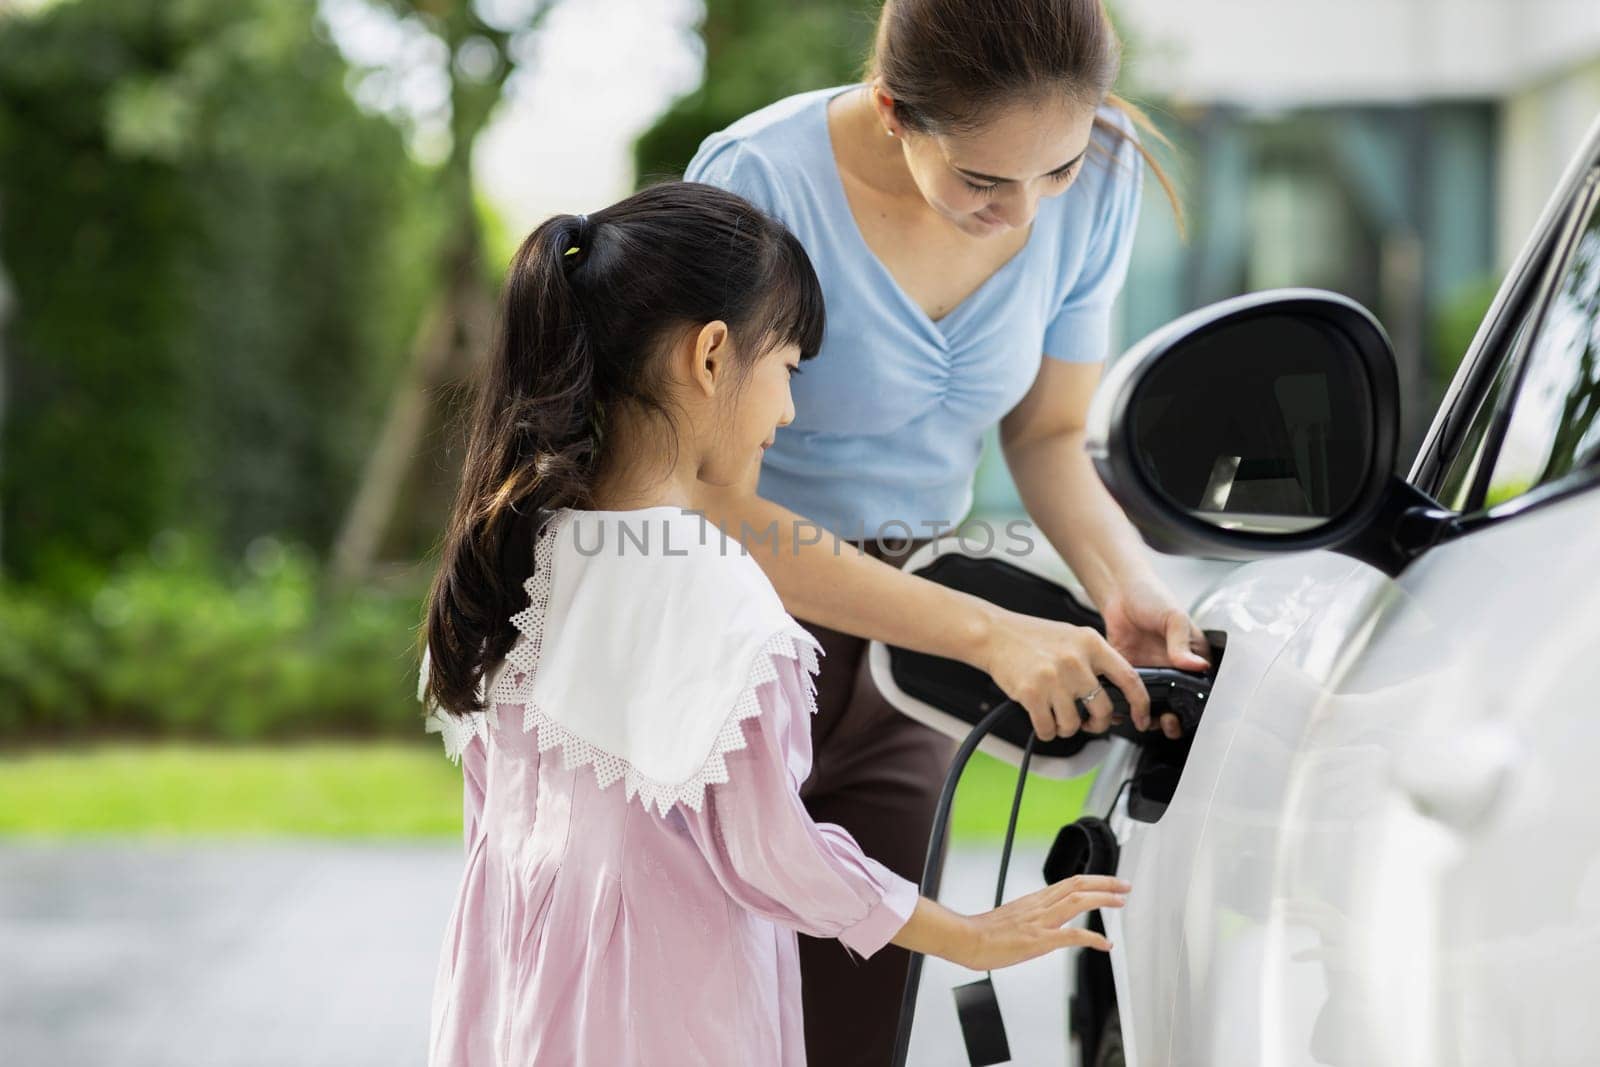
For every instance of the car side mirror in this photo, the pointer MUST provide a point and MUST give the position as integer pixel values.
(1264, 423)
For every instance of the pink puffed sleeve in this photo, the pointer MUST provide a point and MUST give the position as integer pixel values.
(766, 851)
(474, 772)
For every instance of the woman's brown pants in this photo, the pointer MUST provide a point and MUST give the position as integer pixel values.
(877, 774)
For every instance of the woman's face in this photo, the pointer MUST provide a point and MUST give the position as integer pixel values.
(991, 180)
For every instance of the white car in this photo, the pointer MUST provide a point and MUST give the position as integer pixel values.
(1381, 844)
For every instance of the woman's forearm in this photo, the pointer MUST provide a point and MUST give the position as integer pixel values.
(831, 582)
(1064, 496)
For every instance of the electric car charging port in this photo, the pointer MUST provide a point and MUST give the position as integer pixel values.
(1161, 759)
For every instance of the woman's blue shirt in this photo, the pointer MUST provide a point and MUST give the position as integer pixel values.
(890, 416)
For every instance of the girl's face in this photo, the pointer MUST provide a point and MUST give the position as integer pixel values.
(750, 417)
(991, 180)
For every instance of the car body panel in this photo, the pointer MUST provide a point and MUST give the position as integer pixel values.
(1260, 609)
(1369, 750)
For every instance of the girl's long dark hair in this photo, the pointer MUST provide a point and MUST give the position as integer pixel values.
(588, 305)
(949, 63)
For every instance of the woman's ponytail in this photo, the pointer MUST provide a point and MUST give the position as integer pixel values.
(588, 304)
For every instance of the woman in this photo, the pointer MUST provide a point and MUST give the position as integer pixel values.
(970, 211)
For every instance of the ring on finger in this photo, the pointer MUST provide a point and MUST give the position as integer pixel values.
(1090, 695)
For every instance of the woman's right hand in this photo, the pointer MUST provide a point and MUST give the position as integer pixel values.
(1045, 665)
(1035, 924)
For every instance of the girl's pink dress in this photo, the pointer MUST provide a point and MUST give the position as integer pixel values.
(590, 930)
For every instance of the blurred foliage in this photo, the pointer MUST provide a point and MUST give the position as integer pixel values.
(177, 643)
(1455, 323)
(213, 252)
(757, 52)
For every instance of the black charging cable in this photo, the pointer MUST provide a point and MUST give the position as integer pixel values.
(1011, 823)
(932, 868)
(1183, 692)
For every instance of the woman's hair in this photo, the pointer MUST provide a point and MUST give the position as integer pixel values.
(589, 307)
(949, 64)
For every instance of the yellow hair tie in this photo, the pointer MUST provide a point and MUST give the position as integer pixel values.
(583, 226)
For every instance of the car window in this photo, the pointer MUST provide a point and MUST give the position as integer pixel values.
(1456, 486)
(1554, 427)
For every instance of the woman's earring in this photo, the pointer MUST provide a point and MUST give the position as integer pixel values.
(888, 131)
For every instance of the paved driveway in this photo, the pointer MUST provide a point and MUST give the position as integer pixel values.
(137, 954)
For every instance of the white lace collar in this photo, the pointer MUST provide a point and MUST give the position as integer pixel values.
(646, 637)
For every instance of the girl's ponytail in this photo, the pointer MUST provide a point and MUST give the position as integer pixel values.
(534, 446)
(588, 303)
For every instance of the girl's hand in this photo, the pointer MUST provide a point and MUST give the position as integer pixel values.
(1035, 924)
(1044, 665)
(1145, 624)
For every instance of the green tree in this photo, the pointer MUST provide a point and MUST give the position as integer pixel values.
(207, 243)
(409, 477)
(757, 52)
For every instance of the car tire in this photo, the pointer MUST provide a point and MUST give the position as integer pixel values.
(1109, 1053)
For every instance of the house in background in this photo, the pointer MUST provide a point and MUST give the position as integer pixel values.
(1397, 151)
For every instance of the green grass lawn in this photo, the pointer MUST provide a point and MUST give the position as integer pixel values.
(346, 789)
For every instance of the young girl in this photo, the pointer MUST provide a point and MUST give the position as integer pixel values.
(627, 695)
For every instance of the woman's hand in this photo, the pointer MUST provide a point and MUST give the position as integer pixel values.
(1045, 665)
(1145, 624)
(1035, 924)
